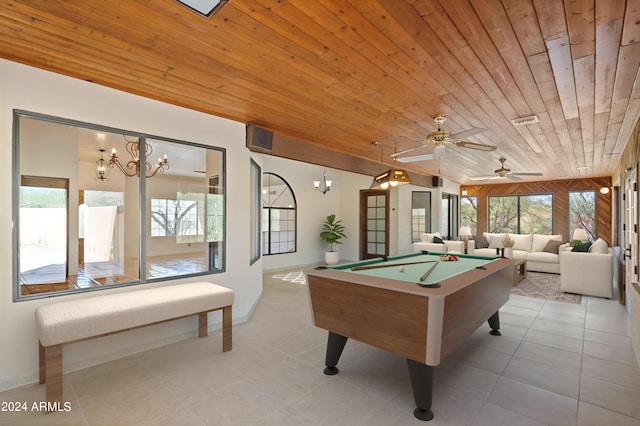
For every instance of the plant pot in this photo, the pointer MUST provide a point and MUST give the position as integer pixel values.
(508, 252)
(331, 257)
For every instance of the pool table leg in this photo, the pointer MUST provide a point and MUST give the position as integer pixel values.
(494, 323)
(335, 345)
(421, 376)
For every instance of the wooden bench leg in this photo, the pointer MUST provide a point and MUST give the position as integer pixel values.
(53, 373)
(227, 337)
(42, 365)
(203, 324)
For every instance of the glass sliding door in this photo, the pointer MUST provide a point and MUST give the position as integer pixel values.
(449, 217)
(420, 214)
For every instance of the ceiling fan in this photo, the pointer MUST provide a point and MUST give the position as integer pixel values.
(440, 139)
(503, 173)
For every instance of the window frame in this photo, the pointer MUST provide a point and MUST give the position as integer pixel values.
(255, 243)
(427, 216)
(453, 215)
(216, 262)
(594, 234)
(473, 201)
(267, 243)
(518, 210)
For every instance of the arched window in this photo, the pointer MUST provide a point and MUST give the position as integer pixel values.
(278, 215)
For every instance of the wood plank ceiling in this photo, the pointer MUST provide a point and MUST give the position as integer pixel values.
(343, 73)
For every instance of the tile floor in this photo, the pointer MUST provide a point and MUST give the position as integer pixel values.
(555, 364)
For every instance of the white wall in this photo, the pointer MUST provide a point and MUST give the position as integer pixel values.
(313, 207)
(38, 91)
(344, 201)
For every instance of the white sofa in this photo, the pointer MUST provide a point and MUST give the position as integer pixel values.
(589, 273)
(526, 246)
(426, 244)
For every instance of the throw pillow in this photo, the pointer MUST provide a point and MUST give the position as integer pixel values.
(496, 241)
(438, 240)
(584, 247)
(481, 241)
(599, 246)
(540, 240)
(552, 246)
(521, 241)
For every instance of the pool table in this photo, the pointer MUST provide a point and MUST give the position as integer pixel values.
(416, 306)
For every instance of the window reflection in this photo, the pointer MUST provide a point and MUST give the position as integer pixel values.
(78, 229)
(43, 243)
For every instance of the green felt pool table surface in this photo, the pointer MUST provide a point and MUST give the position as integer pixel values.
(413, 272)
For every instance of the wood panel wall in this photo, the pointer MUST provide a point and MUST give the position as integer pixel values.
(560, 189)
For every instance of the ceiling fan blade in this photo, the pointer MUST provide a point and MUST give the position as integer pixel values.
(414, 158)
(467, 133)
(482, 177)
(527, 174)
(473, 145)
(513, 177)
(396, 154)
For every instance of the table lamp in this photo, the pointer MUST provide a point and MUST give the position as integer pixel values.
(465, 235)
(580, 234)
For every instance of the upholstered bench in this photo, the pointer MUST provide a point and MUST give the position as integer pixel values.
(76, 320)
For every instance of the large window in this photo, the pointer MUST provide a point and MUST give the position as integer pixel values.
(278, 215)
(582, 212)
(254, 211)
(521, 214)
(84, 223)
(469, 213)
(420, 214)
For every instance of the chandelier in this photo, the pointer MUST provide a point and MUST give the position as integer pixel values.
(102, 168)
(326, 183)
(133, 166)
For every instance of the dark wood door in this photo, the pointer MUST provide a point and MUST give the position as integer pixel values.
(374, 224)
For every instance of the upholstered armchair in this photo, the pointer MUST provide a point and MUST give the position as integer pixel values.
(589, 273)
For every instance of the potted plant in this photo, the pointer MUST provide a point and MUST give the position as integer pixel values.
(332, 233)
